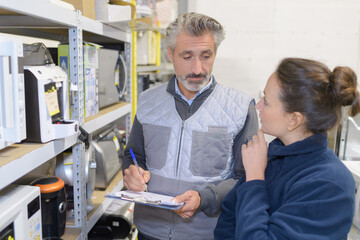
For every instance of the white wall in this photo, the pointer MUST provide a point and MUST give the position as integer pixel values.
(259, 33)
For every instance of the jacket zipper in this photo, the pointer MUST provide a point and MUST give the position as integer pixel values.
(178, 155)
(176, 175)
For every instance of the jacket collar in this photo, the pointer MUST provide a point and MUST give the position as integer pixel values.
(308, 146)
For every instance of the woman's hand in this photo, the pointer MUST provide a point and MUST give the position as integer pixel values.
(254, 156)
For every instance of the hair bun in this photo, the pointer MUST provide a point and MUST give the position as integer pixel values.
(344, 81)
(345, 88)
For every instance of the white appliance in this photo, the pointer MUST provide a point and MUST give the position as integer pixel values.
(47, 104)
(12, 96)
(354, 167)
(349, 140)
(112, 77)
(20, 213)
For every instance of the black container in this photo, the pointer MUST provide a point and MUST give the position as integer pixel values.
(110, 227)
(53, 206)
(115, 223)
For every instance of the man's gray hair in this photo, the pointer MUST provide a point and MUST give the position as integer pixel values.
(194, 24)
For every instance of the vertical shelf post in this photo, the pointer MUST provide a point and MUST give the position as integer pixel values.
(128, 60)
(134, 74)
(77, 113)
(343, 130)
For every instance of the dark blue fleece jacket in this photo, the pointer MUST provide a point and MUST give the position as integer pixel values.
(308, 193)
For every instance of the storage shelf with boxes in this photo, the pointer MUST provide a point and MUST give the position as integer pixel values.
(46, 19)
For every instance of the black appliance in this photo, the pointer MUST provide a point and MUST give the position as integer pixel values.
(53, 206)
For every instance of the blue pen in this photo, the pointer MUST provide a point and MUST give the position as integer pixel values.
(137, 165)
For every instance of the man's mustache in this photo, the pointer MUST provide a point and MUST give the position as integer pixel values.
(196, 76)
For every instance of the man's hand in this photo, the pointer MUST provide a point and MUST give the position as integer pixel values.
(192, 202)
(133, 180)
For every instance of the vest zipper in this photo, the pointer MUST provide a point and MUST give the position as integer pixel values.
(178, 155)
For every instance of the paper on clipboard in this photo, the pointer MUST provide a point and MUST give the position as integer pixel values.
(147, 198)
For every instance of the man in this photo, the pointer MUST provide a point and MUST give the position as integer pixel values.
(187, 136)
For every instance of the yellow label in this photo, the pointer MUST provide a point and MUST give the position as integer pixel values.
(116, 142)
(52, 102)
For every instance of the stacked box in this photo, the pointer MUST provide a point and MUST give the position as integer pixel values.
(87, 7)
(90, 74)
(111, 12)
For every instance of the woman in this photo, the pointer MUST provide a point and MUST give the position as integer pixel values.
(295, 188)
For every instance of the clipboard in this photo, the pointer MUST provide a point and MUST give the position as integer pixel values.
(147, 198)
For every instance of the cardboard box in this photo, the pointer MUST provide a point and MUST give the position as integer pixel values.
(90, 74)
(111, 13)
(87, 7)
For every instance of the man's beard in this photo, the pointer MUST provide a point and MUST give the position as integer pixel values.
(194, 86)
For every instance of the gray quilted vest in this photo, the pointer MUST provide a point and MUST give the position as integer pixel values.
(187, 155)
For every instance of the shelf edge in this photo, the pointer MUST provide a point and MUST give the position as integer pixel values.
(105, 119)
(35, 8)
(17, 168)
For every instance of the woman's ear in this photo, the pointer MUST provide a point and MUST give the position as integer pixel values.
(295, 120)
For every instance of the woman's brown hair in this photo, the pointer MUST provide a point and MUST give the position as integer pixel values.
(311, 88)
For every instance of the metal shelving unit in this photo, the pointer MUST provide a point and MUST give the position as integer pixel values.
(43, 19)
(19, 159)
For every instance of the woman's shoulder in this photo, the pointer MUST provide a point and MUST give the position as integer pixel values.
(329, 168)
